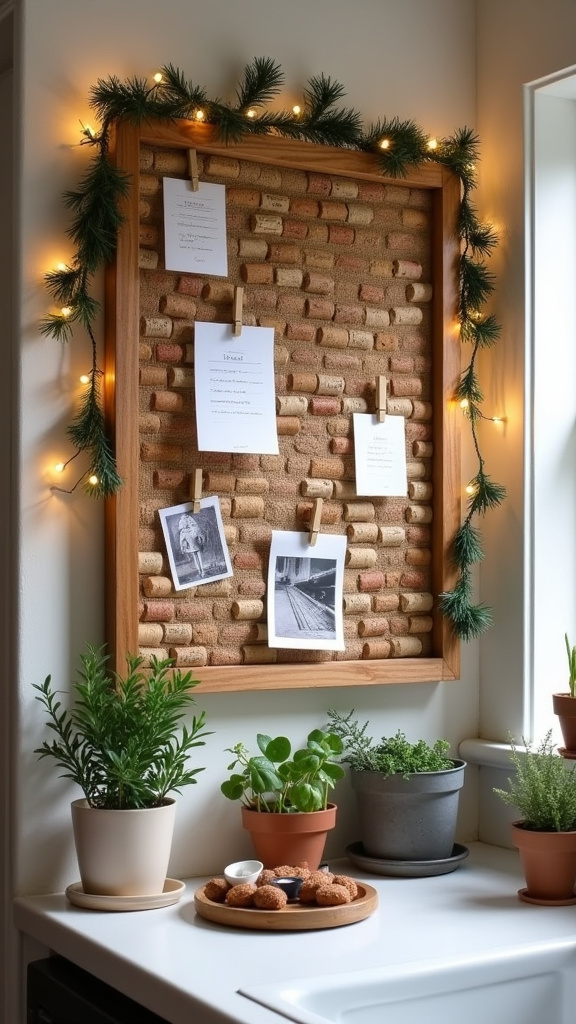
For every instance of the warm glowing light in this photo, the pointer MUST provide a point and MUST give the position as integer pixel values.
(85, 379)
(66, 310)
(199, 115)
(158, 77)
(296, 109)
(471, 489)
(93, 480)
(88, 130)
(497, 419)
(385, 144)
(251, 112)
(59, 467)
(61, 266)
(432, 143)
(464, 403)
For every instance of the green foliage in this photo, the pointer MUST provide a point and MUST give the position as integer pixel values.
(543, 788)
(571, 652)
(469, 620)
(273, 781)
(391, 755)
(123, 740)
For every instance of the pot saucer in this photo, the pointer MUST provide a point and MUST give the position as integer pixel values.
(406, 868)
(526, 898)
(170, 894)
(568, 755)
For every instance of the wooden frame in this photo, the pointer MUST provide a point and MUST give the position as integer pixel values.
(121, 393)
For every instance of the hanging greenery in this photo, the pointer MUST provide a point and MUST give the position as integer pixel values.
(95, 206)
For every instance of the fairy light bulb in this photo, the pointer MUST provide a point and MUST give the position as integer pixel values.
(60, 266)
(464, 404)
(432, 144)
(59, 467)
(93, 480)
(199, 115)
(385, 144)
(471, 489)
(251, 113)
(66, 310)
(296, 109)
(84, 378)
(158, 77)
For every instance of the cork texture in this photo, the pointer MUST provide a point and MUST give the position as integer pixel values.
(339, 269)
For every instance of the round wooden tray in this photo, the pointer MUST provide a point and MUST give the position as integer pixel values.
(294, 916)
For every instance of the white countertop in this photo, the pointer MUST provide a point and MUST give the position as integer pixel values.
(183, 967)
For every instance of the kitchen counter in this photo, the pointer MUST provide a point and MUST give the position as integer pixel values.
(187, 969)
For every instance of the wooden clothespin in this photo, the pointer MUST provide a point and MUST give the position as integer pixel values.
(237, 311)
(196, 489)
(193, 169)
(381, 384)
(316, 520)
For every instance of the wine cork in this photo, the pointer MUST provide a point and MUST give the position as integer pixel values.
(352, 405)
(356, 604)
(156, 326)
(148, 235)
(372, 627)
(416, 602)
(288, 426)
(222, 167)
(361, 558)
(166, 401)
(418, 556)
(218, 291)
(418, 514)
(307, 382)
(251, 507)
(180, 306)
(375, 650)
(252, 485)
(329, 385)
(420, 491)
(362, 512)
(177, 633)
(379, 318)
(291, 405)
(330, 513)
(318, 284)
(150, 634)
(253, 248)
(360, 214)
(418, 292)
(257, 273)
(361, 339)
(157, 586)
(266, 224)
(316, 488)
(399, 407)
(149, 653)
(344, 489)
(359, 533)
(159, 452)
(277, 204)
(423, 449)
(405, 315)
(385, 602)
(416, 470)
(152, 376)
(148, 184)
(420, 624)
(392, 536)
(259, 654)
(422, 410)
(244, 610)
(288, 277)
(188, 657)
(399, 625)
(406, 268)
(147, 259)
(405, 647)
(178, 377)
(328, 468)
(259, 632)
(333, 337)
(150, 562)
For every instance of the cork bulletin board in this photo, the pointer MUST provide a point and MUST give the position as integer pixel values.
(357, 275)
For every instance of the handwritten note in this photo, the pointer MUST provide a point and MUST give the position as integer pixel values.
(234, 383)
(380, 453)
(195, 228)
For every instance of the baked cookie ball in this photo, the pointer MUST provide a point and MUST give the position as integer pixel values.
(270, 897)
(266, 876)
(286, 871)
(307, 892)
(241, 895)
(321, 877)
(332, 895)
(216, 890)
(348, 883)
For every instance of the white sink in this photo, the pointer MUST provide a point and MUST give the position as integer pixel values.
(532, 984)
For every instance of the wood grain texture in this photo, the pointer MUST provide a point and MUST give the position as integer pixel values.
(294, 916)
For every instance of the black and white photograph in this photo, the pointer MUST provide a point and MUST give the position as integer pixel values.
(305, 592)
(195, 542)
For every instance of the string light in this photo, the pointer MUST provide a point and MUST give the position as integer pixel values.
(158, 77)
(471, 489)
(296, 109)
(385, 144)
(464, 404)
(93, 479)
(251, 112)
(199, 115)
(59, 467)
(432, 143)
(85, 378)
(66, 310)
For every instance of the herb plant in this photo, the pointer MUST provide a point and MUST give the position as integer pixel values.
(543, 788)
(273, 781)
(571, 652)
(390, 755)
(123, 740)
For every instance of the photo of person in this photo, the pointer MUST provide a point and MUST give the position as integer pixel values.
(195, 542)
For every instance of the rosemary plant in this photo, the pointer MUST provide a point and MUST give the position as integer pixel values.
(543, 788)
(391, 755)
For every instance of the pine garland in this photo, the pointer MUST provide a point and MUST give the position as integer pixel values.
(95, 209)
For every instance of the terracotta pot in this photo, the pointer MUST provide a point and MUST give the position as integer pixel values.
(564, 705)
(411, 818)
(548, 862)
(289, 838)
(123, 853)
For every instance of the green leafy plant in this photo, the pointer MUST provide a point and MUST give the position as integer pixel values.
(543, 788)
(275, 781)
(571, 652)
(391, 755)
(123, 740)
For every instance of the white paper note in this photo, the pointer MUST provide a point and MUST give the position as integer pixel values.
(235, 395)
(305, 584)
(380, 454)
(195, 227)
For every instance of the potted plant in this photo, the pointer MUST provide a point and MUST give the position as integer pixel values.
(124, 743)
(284, 796)
(564, 705)
(543, 789)
(407, 793)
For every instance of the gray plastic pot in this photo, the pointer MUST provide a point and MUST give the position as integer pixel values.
(410, 818)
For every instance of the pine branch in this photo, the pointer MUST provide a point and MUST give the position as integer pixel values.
(262, 81)
(406, 145)
(468, 621)
(179, 97)
(467, 546)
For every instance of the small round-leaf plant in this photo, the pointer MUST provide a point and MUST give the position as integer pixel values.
(391, 755)
(123, 741)
(95, 207)
(543, 787)
(276, 781)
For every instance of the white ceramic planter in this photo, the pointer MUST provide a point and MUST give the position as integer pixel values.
(123, 853)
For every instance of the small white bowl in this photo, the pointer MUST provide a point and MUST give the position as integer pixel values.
(243, 872)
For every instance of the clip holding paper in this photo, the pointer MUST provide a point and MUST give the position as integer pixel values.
(316, 520)
(381, 386)
(237, 311)
(196, 488)
(193, 169)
